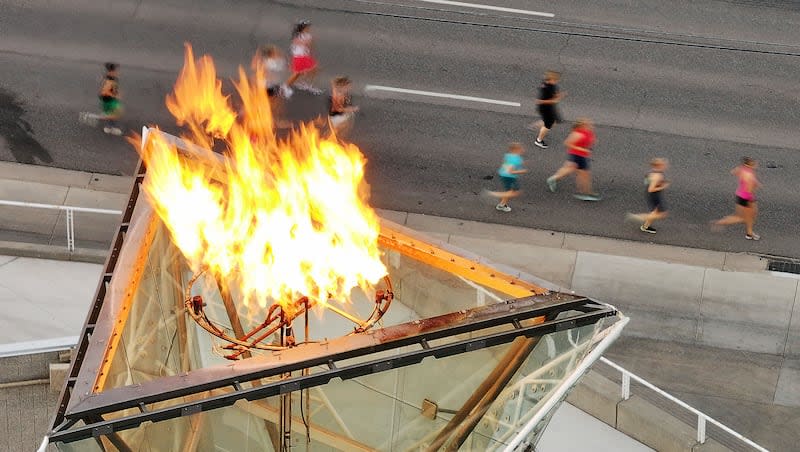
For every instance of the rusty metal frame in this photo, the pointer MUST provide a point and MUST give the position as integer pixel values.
(88, 330)
(483, 323)
(394, 237)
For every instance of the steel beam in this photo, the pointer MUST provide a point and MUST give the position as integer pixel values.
(393, 237)
(342, 349)
(100, 293)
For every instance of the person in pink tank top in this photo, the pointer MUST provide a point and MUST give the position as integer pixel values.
(746, 206)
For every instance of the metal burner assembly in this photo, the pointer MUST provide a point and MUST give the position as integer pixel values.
(276, 332)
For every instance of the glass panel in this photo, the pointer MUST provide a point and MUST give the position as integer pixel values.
(555, 357)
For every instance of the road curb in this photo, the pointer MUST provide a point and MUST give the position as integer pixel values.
(40, 251)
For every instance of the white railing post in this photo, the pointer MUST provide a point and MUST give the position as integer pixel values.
(626, 385)
(70, 215)
(701, 429)
(70, 230)
(701, 417)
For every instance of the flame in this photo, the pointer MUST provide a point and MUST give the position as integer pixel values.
(276, 218)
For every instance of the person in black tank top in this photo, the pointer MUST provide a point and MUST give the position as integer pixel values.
(340, 107)
(655, 184)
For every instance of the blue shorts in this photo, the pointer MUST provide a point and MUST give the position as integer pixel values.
(510, 183)
(581, 161)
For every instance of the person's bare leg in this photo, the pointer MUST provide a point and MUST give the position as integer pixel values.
(567, 169)
(506, 196)
(542, 132)
(584, 182)
(293, 78)
(736, 218)
(653, 216)
(750, 219)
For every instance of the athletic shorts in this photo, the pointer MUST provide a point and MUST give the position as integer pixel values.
(654, 201)
(581, 161)
(549, 115)
(744, 202)
(110, 106)
(510, 183)
(303, 63)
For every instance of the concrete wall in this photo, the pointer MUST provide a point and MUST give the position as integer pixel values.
(636, 417)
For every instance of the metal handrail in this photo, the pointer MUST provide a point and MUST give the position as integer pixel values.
(70, 215)
(702, 418)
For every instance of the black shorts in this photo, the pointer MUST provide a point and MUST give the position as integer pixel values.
(744, 202)
(655, 202)
(549, 115)
(581, 161)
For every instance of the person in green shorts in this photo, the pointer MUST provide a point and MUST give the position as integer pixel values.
(109, 100)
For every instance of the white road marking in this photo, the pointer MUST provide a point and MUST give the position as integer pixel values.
(489, 7)
(442, 95)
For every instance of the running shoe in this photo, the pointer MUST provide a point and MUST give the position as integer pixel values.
(649, 229)
(754, 237)
(552, 184)
(112, 130)
(592, 197)
(541, 144)
(503, 207)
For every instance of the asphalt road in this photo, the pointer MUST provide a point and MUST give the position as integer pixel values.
(701, 84)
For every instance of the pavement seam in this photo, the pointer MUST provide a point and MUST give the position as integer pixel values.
(699, 327)
(58, 217)
(12, 260)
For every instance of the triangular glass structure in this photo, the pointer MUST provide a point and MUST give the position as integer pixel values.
(469, 356)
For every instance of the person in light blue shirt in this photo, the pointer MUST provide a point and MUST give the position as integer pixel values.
(509, 173)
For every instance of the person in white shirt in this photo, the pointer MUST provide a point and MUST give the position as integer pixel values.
(270, 60)
(303, 63)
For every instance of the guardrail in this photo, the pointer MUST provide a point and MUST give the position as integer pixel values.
(702, 418)
(70, 215)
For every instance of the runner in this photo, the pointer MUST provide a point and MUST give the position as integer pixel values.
(549, 97)
(270, 60)
(746, 206)
(109, 102)
(303, 62)
(579, 152)
(341, 111)
(509, 173)
(656, 183)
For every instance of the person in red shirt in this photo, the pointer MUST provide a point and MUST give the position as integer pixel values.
(579, 152)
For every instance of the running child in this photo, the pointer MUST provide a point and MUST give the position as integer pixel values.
(655, 183)
(270, 61)
(303, 63)
(746, 206)
(110, 104)
(509, 173)
(549, 97)
(341, 111)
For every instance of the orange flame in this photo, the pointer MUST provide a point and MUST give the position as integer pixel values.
(278, 219)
